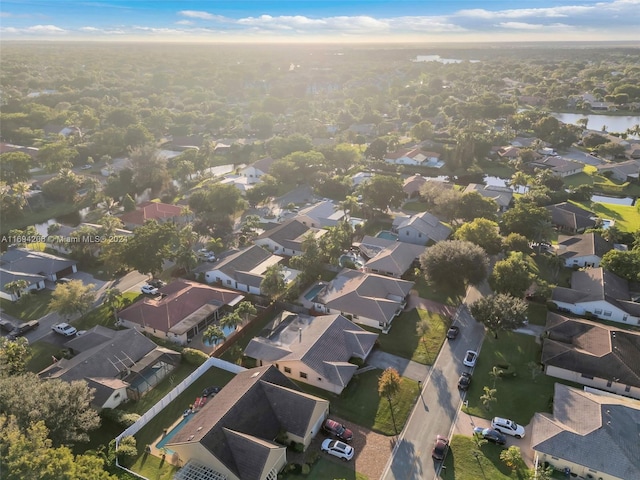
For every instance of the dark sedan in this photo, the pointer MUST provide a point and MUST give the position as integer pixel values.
(22, 329)
(491, 435)
(453, 332)
(440, 448)
(464, 381)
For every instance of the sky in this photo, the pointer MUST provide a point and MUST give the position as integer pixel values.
(342, 21)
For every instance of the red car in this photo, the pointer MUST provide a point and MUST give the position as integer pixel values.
(440, 448)
(337, 429)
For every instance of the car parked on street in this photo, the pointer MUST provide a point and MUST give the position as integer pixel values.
(337, 449)
(464, 381)
(491, 435)
(453, 332)
(470, 358)
(508, 427)
(64, 329)
(440, 448)
(6, 326)
(22, 329)
(337, 429)
(149, 290)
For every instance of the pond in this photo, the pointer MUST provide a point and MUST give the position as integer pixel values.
(629, 201)
(438, 58)
(614, 123)
(72, 219)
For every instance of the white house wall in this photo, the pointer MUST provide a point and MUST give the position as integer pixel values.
(601, 309)
(116, 398)
(581, 471)
(585, 261)
(411, 235)
(293, 370)
(607, 385)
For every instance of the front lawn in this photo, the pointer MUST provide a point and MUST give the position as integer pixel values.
(415, 206)
(537, 313)
(439, 294)
(103, 315)
(519, 397)
(325, 469)
(41, 355)
(403, 340)
(30, 307)
(465, 461)
(360, 402)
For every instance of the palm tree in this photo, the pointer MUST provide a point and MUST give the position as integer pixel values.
(520, 179)
(495, 374)
(212, 335)
(113, 300)
(388, 387)
(16, 287)
(488, 398)
(215, 245)
(186, 258)
(422, 328)
(246, 309)
(109, 225)
(231, 320)
(21, 189)
(348, 205)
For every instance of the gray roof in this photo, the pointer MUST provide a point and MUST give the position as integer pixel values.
(324, 343)
(365, 294)
(582, 245)
(7, 277)
(255, 405)
(396, 258)
(593, 349)
(597, 284)
(323, 211)
(21, 260)
(289, 234)
(501, 195)
(427, 224)
(571, 216)
(627, 168)
(557, 164)
(597, 432)
(243, 261)
(264, 164)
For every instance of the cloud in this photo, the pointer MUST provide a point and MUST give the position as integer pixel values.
(552, 12)
(200, 15)
(184, 22)
(530, 26)
(42, 30)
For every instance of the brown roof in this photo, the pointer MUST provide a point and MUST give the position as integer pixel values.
(180, 305)
(151, 211)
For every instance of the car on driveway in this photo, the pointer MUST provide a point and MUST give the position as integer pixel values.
(508, 427)
(491, 435)
(156, 282)
(63, 280)
(148, 289)
(440, 448)
(64, 329)
(470, 358)
(337, 429)
(453, 332)
(464, 381)
(6, 325)
(337, 449)
(22, 329)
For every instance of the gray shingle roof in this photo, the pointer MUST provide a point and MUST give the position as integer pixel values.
(582, 245)
(429, 225)
(289, 234)
(243, 261)
(593, 349)
(21, 260)
(501, 195)
(597, 432)
(249, 453)
(395, 259)
(571, 216)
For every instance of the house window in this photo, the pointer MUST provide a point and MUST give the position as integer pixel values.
(354, 316)
(228, 282)
(117, 395)
(287, 370)
(624, 319)
(598, 310)
(627, 389)
(218, 279)
(607, 313)
(303, 375)
(584, 375)
(609, 383)
(407, 233)
(419, 235)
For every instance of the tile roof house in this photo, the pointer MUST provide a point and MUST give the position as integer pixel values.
(162, 212)
(584, 250)
(34, 267)
(415, 156)
(420, 229)
(593, 436)
(180, 311)
(234, 433)
(628, 171)
(367, 298)
(598, 293)
(313, 350)
(569, 217)
(558, 165)
(287, 238)
(387, 257)
(592, 354)
(413, 184)
(503, 196)
(119, 365)
(245, 269)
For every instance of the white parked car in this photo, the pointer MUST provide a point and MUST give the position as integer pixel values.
(64, 329)
(149, 289)
(337, 449)
(470, 358)
(508, 427)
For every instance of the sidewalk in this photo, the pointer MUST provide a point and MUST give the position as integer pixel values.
(406, 368)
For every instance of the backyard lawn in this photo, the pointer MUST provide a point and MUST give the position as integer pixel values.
(415, 206)
(403, 340)
(627, 218)
(41, 353)
(437, 294)
(154, 468)
(537, 313)
(519, 397)
(30, 307)
(325, 469)
(462, 464)
(360, 402)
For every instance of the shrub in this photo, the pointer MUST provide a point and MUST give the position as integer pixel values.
(296, 446)
(306, 469)
(119, 417)
(313, 457)
(127, 451)
(357, 361)
(194, 357)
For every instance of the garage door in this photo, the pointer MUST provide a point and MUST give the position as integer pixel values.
(64, 271)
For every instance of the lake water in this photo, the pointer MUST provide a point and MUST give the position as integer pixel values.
(438, 58)
(614, 123)
(72, 219)
(615, 200)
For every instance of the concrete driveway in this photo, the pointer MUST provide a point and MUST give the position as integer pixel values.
(406, 368)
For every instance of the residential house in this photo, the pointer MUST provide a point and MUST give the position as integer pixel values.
(528, 142)
(161, 212)
(628, 171)
(414, 156)
(366, 298)
(119, 365)
(387, 257)
(559, 166)
(589, 435)
(569, 217)
(180, 311)
(592, 354)
(257, 170)
(322, 215)
(313, 350)
(503, 196)
(360, 178)
(420, 229)
(598, 293)
(286, 238)
(241, 182)
(32, 266)
(584, 250)
(509, 152)
(34, 282)
(245, 269)
(366, 129)
(234, 435)
(413, 184)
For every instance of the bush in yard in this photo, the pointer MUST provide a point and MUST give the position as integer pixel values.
(313, 457)
(127, 451)
(306, 469)
(123, 419)
(194, 357)
(297, 446)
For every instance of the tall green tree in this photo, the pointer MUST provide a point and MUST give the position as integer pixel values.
(500, 312)
(272, 284)
(72, 298)
(245, 310)
(16, 287)
(213, 334)
(14, 355)
(382, 192)
(150, 245)
(15, 167)
(512, 276)
(455, 263)
(484, 233)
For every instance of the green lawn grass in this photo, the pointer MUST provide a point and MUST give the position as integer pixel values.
(326, 469)
(41, 353)
(542, 267)
(415, 206)
(518, 398)
(154, 468)
(402, 339)
(31, 307)
(360, 402)
(627, 218)
(103, 315)
(462, 464)
(439, 294)
(537, 313)
(497, 169)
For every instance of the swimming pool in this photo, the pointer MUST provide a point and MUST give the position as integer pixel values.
(313, 292)
(226, 330)
(387, 235)
(167, 438)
